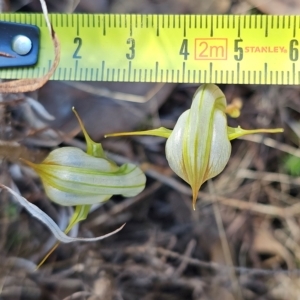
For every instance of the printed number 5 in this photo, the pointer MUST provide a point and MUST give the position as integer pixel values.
(238, 49)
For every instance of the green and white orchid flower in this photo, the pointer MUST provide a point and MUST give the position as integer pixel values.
(72, 177)
(198, 148)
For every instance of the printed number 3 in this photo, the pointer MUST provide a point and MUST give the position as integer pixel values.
(131, 42)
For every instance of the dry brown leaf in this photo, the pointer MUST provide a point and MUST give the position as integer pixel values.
(285, 287)
(218, 292)
(216, 253)
(265, 243)
(277, 7)
(103, 288)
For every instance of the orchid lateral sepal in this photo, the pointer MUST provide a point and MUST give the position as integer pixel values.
(160, 132)
(234, 133)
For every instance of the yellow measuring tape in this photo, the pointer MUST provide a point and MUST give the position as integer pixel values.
(252, 49)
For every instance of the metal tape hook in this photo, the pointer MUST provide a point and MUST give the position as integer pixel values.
(19, 44)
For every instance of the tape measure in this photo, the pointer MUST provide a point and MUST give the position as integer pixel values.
(251, 49)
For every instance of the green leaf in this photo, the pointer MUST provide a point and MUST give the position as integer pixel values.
(292, 165)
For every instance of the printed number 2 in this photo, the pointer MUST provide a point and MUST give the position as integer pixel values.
(77, 41)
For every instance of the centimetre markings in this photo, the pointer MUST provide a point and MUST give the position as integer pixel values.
(252, 49)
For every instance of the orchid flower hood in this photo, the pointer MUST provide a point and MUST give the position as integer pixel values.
(198, 148)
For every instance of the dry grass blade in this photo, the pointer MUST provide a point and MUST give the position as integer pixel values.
(277, 7)
(104, 92)
(208, 265)
(272, 143)
(51, 225)
(225, 245)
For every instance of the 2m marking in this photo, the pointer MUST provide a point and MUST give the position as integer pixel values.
(211, 49)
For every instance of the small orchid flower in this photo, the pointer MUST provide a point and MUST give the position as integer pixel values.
(72, 177)
(198, 148)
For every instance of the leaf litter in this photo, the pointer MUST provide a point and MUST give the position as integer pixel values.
(166, 250)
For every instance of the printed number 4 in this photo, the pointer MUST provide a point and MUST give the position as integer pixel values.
(184, 49)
